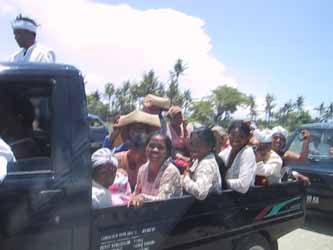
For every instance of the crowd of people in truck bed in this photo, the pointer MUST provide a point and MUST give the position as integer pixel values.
(149, 156)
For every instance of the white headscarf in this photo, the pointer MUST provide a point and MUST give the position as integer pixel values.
(103, 156)
(264, 136)
(280, 130)
(24, 24)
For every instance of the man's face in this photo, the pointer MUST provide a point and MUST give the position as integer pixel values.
(264, 149)
(278, 142)
(106, 175)
(136, 129)
(24, 38)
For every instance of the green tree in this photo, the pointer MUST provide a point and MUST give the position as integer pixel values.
(299, 104)
(173, 92)
(125, 101)
(202, 111)
(96, 106)
(328, 115)
(226, 100)
(187, 100)
(178, 69)
(109, 91)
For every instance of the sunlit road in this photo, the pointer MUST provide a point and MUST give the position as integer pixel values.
(317, 234)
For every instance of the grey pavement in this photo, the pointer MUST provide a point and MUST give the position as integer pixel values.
(317, 234)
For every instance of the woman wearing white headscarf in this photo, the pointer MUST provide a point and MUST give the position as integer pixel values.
(279, 140)
(104, 166)
(269, 163)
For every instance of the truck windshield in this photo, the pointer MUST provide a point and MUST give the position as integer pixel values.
(320, 147)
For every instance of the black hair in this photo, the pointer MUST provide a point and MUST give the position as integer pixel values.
(207, 135)
(166, 140)
(241, 125)
(139, 142)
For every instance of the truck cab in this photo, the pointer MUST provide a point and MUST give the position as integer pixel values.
(46, 196)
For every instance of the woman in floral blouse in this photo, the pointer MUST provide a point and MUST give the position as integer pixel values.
(158, 179)
(203, 177)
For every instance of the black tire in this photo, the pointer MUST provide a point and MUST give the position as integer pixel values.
(253, 242)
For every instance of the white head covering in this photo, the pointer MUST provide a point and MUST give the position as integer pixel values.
(103, 156)
(253, 126)
(263, 136)
(280, 130)
(219, 130)
(24, 23)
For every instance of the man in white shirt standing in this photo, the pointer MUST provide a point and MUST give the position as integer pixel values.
(6, 155)
(25, 30)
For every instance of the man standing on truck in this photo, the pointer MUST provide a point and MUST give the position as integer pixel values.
(25, 30)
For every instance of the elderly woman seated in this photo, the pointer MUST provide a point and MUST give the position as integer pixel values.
(203, 177)
(279, 139)
(104, 166)
(158, 179)
(269, 163)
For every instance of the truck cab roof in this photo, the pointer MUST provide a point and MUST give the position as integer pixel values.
(318, 125)
(36, 69)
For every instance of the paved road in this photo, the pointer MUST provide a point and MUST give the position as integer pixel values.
(317, 234)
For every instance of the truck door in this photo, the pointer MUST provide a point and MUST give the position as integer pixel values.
(37, 209)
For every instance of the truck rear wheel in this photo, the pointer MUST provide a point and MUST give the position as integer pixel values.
(253, 242)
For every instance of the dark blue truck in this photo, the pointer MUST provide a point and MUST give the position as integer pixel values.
(318, 167)
(46, 198)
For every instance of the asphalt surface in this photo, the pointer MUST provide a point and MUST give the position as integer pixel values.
(317, 234)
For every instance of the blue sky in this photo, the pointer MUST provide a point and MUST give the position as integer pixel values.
(276, 46)
(282, 47)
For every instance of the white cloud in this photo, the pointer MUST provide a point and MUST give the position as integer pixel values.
(119, 42)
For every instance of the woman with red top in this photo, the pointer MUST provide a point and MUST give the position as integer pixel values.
(178, 132)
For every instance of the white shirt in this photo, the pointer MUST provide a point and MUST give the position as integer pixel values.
(204, 178)
(6, 155)
(241, 175)
(101, 197)
(36, 53)
(270, 168)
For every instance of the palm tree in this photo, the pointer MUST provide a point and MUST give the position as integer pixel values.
(321, 110)
(299, 103)
(179, 69)
(252, 104)
(269, 99)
